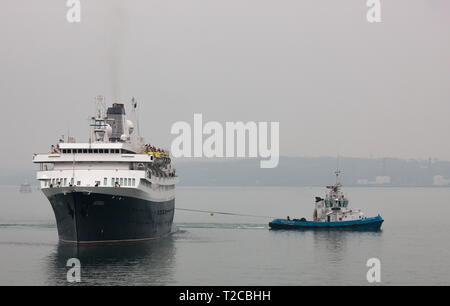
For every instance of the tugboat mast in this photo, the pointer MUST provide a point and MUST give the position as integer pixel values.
(338, 183)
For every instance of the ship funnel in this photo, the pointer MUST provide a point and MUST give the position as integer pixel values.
(116, 114)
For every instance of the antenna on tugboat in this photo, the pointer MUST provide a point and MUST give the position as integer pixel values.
(337, 172)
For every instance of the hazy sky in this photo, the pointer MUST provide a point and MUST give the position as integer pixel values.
(336, 83)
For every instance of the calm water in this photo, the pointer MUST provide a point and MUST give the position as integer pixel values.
(414, 245)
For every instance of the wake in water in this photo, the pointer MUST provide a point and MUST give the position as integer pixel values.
(223, 225)
(28, 225)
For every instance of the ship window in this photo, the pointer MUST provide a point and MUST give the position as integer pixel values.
(96, 151)
(125, 182)
(78, 183)
(134, 182)
(79, 151)
(100, 151)
(90, 151)
(121, 181)
(64, 151)
(85, 150)
(65, 181)
(112, 181)
(116, 151)
(69, 151)
(105, 181)
(129, 182)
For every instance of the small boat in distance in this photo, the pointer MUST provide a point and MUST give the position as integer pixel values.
(25, 188)
(332, 213)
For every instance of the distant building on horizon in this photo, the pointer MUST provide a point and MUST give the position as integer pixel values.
(379, 180)
(439, 180)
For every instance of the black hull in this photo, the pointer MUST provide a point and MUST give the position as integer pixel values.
(92, 218)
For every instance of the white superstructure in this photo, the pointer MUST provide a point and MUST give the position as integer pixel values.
(112, 159)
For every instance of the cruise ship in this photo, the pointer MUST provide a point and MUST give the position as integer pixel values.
(113, 188)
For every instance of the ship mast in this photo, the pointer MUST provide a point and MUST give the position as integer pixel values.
(99, 120)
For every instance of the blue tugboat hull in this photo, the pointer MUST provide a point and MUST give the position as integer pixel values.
(363, 224)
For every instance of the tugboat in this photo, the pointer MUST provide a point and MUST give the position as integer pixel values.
(332, 213)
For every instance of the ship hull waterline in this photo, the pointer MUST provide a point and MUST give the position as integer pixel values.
(96, 218)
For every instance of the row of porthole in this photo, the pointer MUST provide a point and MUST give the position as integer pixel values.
(122, 181)
(115, 181)
(90, 151)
